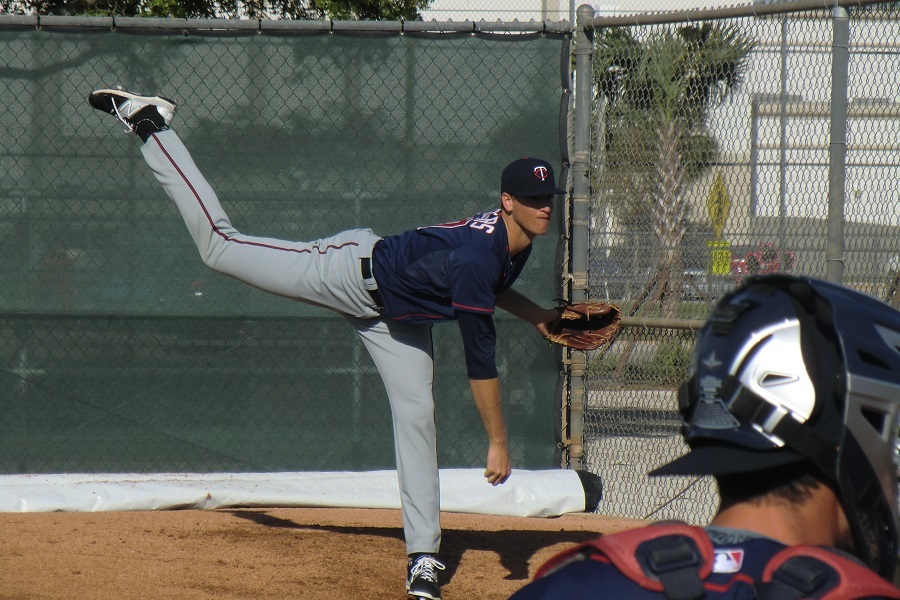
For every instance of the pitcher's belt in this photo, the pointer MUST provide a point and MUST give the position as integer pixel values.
(365, 267)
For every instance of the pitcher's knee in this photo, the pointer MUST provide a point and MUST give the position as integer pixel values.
(413, 413)
(212, 254)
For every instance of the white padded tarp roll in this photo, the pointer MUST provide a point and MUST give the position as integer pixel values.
(526, 494)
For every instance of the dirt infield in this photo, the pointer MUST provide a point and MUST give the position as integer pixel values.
(319, 554)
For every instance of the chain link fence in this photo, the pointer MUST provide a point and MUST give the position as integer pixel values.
(121, 352)
(722, 146)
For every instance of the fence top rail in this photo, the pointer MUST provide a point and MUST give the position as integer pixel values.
(657, 323)
(730, 12)
(279, 25)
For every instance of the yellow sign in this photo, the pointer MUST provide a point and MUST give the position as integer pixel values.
(718, 204)
(720, 253)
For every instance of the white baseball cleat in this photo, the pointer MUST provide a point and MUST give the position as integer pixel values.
(132, 110)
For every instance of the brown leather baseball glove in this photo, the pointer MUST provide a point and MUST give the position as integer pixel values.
(585, 325)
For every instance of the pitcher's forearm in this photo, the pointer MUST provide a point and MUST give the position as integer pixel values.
(486, 393)
(524, 308)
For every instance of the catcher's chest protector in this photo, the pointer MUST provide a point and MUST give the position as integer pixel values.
(676, 560)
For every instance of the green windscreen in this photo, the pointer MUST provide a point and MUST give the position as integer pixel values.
(121, 352)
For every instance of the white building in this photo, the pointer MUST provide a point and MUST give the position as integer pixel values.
(555, 10)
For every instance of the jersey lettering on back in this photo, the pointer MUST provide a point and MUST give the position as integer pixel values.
(428, 274)
(485, 222)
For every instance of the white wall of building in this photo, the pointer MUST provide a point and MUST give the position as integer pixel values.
(555, 10)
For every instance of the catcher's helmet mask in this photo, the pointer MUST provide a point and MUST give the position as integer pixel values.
(790, 369)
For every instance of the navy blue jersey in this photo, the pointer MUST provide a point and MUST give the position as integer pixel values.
(451, 271)
(431, 274)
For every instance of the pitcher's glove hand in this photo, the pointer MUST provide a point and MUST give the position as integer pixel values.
(585, 325)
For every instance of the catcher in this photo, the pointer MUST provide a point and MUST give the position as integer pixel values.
(391, 290)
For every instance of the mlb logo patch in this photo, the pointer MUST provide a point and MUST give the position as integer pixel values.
(728, 560)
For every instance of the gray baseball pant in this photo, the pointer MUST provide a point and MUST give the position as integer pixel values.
(325, 273)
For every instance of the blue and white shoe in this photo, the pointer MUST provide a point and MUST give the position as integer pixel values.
(422, 577)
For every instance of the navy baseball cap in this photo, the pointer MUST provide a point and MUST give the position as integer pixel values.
(528, 177)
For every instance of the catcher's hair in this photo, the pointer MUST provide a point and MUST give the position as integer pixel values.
(792, 484)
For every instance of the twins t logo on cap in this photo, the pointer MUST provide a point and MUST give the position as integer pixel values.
(528, 177)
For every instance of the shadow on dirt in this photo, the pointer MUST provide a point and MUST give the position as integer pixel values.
(515, 548)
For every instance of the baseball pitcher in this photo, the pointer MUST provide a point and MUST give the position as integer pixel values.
(391, 290)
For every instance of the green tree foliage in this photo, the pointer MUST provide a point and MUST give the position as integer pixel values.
(374, 10)
(371, 10)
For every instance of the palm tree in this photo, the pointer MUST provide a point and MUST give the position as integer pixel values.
(653, 97)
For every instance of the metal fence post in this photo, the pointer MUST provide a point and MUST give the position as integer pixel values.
(837, 168)
(573, 419)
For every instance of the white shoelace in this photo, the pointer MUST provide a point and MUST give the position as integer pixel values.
(425, 567)
(125, 124)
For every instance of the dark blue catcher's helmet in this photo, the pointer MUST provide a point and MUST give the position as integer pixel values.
(790, 369)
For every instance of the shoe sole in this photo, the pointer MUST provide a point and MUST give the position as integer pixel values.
(102, 100)
(419, 596)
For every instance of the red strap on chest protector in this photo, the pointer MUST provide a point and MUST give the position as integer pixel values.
(826, 575)
(664, 549)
